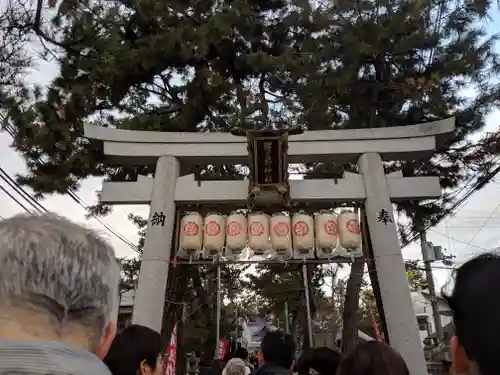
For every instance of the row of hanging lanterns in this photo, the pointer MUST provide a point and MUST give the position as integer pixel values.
(298, 236)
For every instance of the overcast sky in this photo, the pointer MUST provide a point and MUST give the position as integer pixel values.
(474, 229)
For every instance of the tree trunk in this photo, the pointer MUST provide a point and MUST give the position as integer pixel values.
(350, 316)
(306, 344)
(177, 278)
(333, 325)
(294, 325)
(207, 297)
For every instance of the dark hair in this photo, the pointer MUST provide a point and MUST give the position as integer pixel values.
(241, 353)
(476, 310)
(373, 358)
(278, 349)
(132, 346)
(302, 364)
(323, 360)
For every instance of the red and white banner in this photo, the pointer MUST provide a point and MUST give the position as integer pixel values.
(222, 350)
(374, 322)
(171, 354)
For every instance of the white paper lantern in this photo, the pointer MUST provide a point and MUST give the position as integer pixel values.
(349, 230)
(236, 233)
(281, 238)
(325, 228)
(214, 235)
(191, 235)
(258, 233)
(303, 235)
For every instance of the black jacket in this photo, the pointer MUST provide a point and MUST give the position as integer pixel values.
(205, 370)
(269, 369)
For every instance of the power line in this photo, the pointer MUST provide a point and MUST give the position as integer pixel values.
(482, 226)
(23, 193)
(38, 207)
(456, 239)
(477, 185)
(78, 200)
(15, 200)
(474, 226)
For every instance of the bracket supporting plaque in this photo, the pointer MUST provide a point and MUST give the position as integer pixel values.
(268, 164)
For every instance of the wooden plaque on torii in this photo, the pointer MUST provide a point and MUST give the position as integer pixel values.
(268, 164)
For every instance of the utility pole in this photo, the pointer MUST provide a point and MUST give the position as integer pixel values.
(184, 312)
(237, 323)
(287, 323)
(427, 248)
(308, 305)
(333, 271)
(218, 313)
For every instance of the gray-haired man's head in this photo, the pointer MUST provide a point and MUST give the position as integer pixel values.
(58, 280)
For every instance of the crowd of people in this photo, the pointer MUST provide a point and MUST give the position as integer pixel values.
(59, 300)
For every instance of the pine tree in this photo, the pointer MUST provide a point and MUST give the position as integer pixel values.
(170, 66)
(397, 63)
(209, 65)
(13, 59)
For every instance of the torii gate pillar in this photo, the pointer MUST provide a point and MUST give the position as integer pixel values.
(150, 294)
(389, 262)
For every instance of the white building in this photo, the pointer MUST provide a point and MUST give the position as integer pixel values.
(423, 311)
(126, 308)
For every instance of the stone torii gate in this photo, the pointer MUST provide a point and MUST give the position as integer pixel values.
(377, 191)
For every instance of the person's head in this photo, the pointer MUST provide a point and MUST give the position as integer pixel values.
(58, 282)
(277, 349)
(137, 350)
(476, 308)
(241, 353)
(373, 358)
(301, 365)
(323, 361)
(235, 366)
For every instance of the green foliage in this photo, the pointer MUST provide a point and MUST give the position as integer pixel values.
(416, 281)
(209, 66)
(14, 60)
(365, 322)
(277, 283)
(142, 224)
(130, 273)
(149, 65)
(199, 334)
